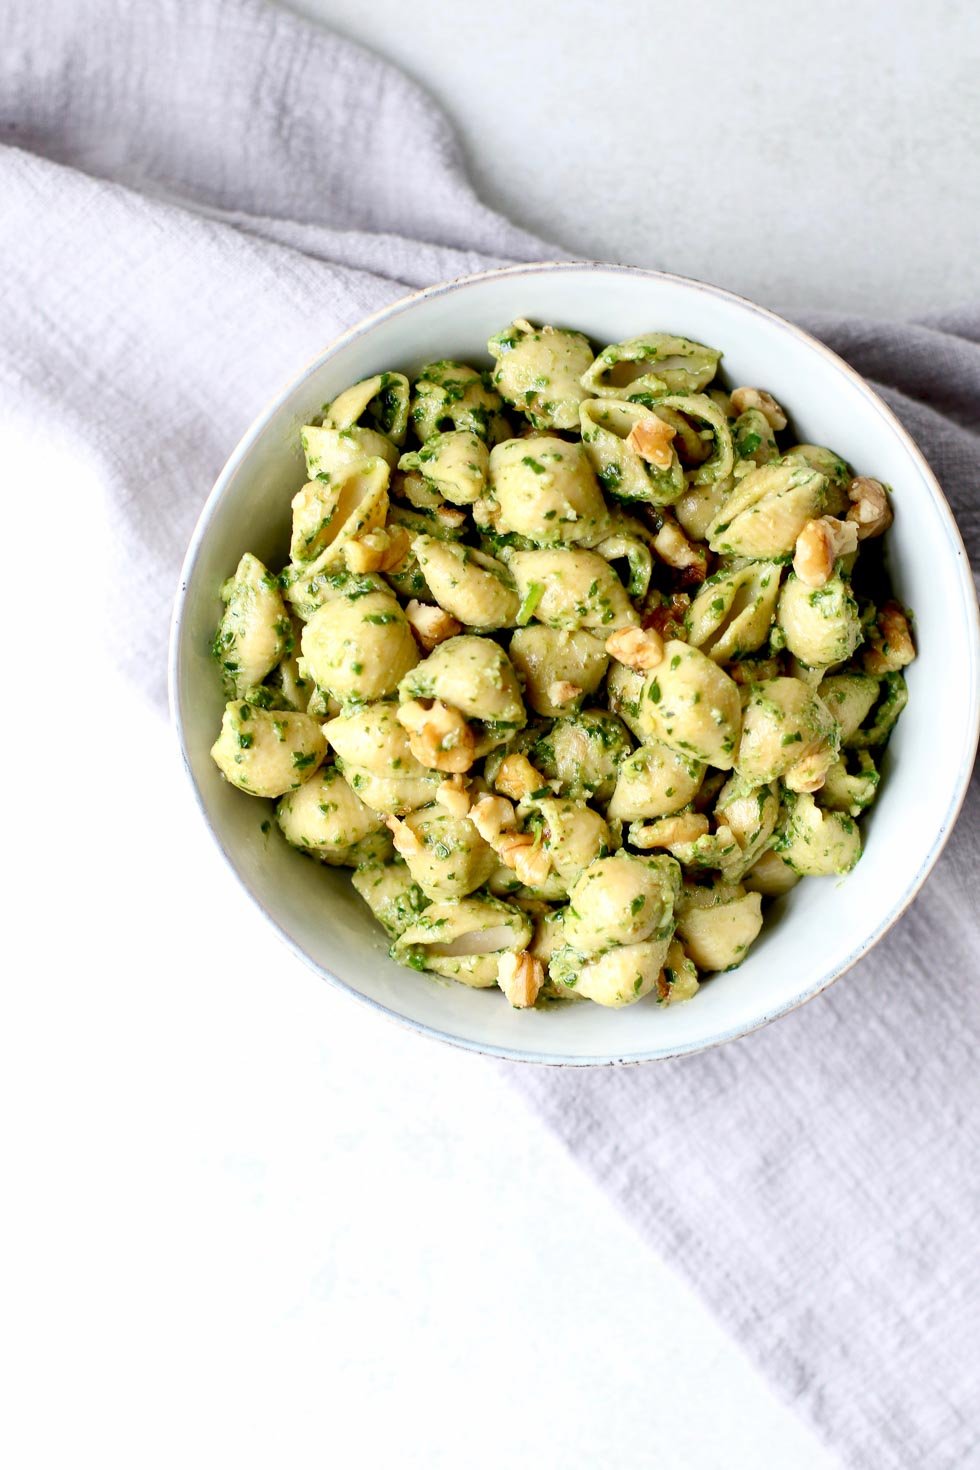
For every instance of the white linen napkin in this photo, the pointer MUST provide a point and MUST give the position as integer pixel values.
(197, 195)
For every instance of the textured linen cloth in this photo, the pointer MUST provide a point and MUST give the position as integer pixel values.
(197, 195)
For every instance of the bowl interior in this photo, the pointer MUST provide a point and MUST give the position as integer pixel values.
(824, 924)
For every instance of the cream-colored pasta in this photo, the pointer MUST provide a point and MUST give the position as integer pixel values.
(478, 590)
(654, 781)
(625, 693)
(700, 505)
(383, 400)
(703, 429)
(463, 940)
(474, 676)
(718, 923)
(610, 428)
(753, 437)
(750, 813)
(621, 546)
(267, 752)
(770, 876)
(767, 510)
(327, 819)
(359, 647)
(330, 452)
(391, 893)
(255, 632)
(539, 371)
(572, 834)
(446, 855)
(654, 364)
(327, 514)
(374, 753)
(694, 706)
(455, 465)
(678, 980)
(892, 698)
(544, 488)
(850, 698)
(734, 611)
(821, 625)
(785, 726)
(816, 843)
(450, 395)
(643, 559)
(582, 753)
(619, 977)
(621, 899)
(560, 666)
(571, 589)
(851, 785)
(835, 470)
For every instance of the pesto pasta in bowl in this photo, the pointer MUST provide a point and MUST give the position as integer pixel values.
(551, 685)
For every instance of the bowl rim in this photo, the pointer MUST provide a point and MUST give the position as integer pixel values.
(833, 360)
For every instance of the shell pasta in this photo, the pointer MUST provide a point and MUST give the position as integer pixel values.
(579, 661)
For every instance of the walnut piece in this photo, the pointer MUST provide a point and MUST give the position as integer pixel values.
(810, 771)
(744, 398)
(651, 438)
(687, 827)
(517, 778)
(819, 545)
(520, 851)
(891, 642)
(431, 625)
(673, 547)
(637, 648)
(438, 735)
(520, 977)
(453, 795)
(490, 815)
(380, 550)
(406, 842)
(870, 510)
(561, 691)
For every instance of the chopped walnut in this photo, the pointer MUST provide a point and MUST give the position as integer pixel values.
(668, 618)
(638, 648)
(380, 550)
(447, 515)
(439, 736)
(520, 851)
(819, 545)
(687, 827)
(562, 692)
(490, 815)
(753, 670)
(651, 438)
(517, 778)
(891, 642)
(520, 977)
(453, 795)
(744, 398)
(810, 771)
(406, 841)
(870, 510)
(673, 547)
(431, 625)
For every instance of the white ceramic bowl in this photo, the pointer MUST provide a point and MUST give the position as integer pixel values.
(824, 925)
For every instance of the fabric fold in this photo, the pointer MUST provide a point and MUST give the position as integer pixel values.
(198, 195)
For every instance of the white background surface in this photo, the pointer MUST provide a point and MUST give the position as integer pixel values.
(802, 154)
(256, 1225)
